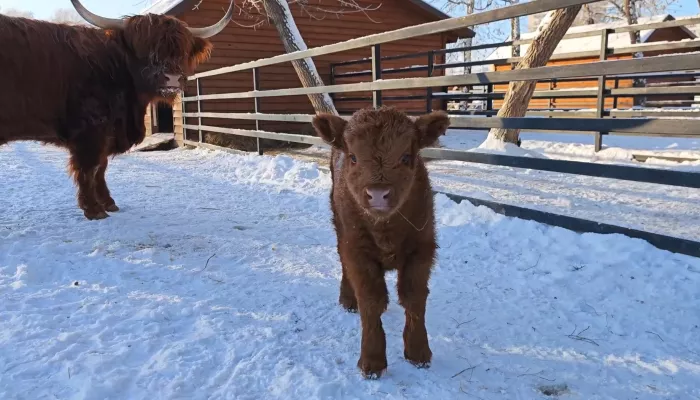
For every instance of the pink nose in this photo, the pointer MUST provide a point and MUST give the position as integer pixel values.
(378, 197)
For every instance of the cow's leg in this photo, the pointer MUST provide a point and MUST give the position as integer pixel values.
(413, 295)
(103, 195)
(367, 280)
(84, 166)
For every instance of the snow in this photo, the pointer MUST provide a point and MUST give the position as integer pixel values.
(219, 280)
(661, 209)
(161, 6)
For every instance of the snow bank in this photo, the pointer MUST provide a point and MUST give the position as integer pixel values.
(219, 280)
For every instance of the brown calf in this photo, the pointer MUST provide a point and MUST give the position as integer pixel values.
(384, 219)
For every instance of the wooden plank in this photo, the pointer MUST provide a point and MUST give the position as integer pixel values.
(629, 28)
(620, 172)
(284, 137)
(646, 65)
(663, 242)
(683, 127)
(447, 25)
(649, 47)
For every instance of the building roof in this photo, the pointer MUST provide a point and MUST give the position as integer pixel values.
(592, 43)
(176, 7)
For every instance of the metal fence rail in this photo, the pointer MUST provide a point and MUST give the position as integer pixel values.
(600, 125)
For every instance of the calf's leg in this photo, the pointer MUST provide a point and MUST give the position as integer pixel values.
(367, 280)
(84, 167)
(413, 295)
(103, 195)
(347, 297)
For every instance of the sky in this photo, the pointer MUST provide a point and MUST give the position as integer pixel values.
(107, 8)
(117, 8)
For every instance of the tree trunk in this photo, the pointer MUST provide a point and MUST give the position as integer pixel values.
(281, 16)
(515, 32)
(631, 16)
(552, 28)
(469, 41)
(589, 19)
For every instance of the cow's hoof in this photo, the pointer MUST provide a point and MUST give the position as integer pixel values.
(112, 208)
(92, 216)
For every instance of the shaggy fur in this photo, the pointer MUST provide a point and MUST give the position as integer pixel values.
(383, 216)
(87, 89)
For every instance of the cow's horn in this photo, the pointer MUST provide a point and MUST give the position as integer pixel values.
(210, 31)
(100, 22)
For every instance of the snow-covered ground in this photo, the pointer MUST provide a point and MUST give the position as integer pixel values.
(219, 280)
(667, 210)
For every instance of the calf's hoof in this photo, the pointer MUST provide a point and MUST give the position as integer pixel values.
(420, 358)
(372, 368)
(95, 215)
(112, 208)
(350, 305)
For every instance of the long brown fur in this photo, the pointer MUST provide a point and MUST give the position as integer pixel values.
(87, 89)
(379, 148)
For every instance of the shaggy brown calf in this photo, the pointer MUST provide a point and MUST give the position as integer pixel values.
(87, 89)
(383, 215)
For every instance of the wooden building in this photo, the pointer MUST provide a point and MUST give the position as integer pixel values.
(586, 50)
(239, 43)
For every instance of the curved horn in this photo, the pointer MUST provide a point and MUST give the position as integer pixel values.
(216, 28)
(100, 22)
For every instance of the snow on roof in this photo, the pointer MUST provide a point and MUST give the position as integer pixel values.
(161, 6)
(591, 43)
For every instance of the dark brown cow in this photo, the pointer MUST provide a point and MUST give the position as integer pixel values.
(383, 215)
(87, 89)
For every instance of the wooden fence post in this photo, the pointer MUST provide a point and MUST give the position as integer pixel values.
(376, 74)
(256, 87)
(600, 109)
(199, 108)
(429, 90)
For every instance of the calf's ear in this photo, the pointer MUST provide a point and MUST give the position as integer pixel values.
(330, 128)
(431, 127)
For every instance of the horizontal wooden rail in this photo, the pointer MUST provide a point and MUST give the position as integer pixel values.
(284, 137)
(681, 127)
(646, 65)
(663, 242)
(650, 47)
(666, 127)
(430, 28)
(629, 28)
(620, 172)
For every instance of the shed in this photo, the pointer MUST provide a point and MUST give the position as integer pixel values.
(238, 43)
(579, 50)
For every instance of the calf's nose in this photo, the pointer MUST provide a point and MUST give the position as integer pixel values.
(378, 197)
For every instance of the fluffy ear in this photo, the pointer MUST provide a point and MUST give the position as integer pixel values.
(201, 50)
(431, 127)
(330, 128)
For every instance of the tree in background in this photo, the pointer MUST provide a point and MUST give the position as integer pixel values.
(548, 35)
(280, 15)
(67, 16)
(13, 12)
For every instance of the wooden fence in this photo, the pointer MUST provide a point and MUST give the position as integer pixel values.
(488, 92)
(603, 68)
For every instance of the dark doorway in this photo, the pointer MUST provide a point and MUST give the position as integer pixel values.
(164, 118)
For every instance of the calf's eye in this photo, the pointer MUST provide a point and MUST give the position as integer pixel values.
(353, 158)
(406, 159)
